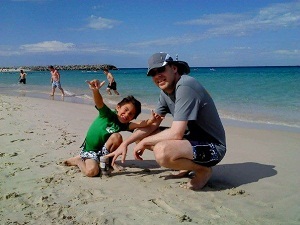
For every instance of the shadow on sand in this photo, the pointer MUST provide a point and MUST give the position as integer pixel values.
(225, 176)
(229, 176)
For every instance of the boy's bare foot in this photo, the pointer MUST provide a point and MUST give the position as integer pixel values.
(72, 161)
(200, 179)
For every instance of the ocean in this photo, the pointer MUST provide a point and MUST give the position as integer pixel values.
(250, 96)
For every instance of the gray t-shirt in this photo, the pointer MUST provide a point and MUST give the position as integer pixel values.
(191, 102)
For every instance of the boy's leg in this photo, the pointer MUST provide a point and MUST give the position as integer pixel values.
(111, 145)
(73, 161)
(113, 142)
(89, 167)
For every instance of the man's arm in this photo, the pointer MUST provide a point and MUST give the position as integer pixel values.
(135, 136)
(176, 132)
(57, 75)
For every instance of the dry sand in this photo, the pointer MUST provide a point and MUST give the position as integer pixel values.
(256, 183)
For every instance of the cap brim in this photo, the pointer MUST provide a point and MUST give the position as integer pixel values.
(157, 65)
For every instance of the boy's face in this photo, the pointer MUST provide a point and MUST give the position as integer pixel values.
(126, 112)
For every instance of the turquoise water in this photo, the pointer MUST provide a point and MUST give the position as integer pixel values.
(265, 95)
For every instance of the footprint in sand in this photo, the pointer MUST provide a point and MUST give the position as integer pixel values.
(170, 210)
(12, 195)
(6, 134)
(22, 139)
(234, 192)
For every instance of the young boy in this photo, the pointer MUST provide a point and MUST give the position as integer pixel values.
(102, 136)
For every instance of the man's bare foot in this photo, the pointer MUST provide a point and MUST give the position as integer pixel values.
(72, 161)
(200, 179)
(180, 174)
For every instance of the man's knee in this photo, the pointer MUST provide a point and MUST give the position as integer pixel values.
(160, 153)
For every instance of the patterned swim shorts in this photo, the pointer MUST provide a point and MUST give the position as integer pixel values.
(94, 155)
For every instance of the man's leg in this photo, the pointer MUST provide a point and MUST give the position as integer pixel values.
(53, 90)
(178, 155)
(108, 91)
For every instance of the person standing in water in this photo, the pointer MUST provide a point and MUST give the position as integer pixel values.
(22, 78)
(55, 80)
(112, 85)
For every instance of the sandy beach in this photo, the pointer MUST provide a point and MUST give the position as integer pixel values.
(256, 183)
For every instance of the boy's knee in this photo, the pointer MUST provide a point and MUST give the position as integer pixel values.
(92, 172)
(116, 138)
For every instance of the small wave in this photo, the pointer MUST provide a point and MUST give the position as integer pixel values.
(69, 93)
(84, 96)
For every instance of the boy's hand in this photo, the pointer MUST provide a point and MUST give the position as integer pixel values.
(95, 84)
(155, 117)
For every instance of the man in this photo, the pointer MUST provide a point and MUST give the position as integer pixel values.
(112, 85)
(22, 77)
(196, 139)
(55, 81)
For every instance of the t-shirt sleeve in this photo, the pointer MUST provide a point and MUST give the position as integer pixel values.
(187, 104)
(105, 111)
(162, 107)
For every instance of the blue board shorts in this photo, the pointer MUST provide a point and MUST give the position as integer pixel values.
(56, 84)
(207, 154)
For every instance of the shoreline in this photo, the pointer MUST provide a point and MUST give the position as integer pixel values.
(251, 185)
(111, 103)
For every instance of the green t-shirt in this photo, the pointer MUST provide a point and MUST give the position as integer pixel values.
(100, 130)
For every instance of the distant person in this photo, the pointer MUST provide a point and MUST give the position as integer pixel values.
(22, 77)
(103, 135)
(55, 80)
(112, 85)
(196, 139)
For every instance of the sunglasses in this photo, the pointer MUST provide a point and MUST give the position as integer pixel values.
(153, 72)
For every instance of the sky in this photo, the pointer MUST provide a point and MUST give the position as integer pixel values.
(125, 33)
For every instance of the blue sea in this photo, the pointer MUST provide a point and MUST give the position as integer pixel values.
(253, 96)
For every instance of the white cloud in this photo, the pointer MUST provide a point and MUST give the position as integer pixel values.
(48, 46)
(288, 52)
(99, 23)
(273, 17)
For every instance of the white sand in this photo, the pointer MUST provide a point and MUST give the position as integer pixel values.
(256, 183)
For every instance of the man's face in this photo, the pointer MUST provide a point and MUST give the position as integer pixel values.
(164, 78)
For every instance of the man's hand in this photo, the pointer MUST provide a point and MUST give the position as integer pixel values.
(139, 150)
(121, 150)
